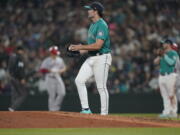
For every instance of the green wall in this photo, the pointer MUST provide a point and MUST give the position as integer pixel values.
(119, 103)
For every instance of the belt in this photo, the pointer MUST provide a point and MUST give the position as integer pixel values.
(163, 74)
(51, 76)
(97, 54)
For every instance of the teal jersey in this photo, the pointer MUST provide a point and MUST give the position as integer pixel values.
(168, 62)
(99, 30)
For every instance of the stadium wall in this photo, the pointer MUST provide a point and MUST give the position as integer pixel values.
(119, 103)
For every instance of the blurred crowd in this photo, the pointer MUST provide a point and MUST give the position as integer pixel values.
(136, 29)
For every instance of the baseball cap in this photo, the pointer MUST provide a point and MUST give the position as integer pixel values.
(174, 46)
(54, 50)
(95, 6)
(167, 41)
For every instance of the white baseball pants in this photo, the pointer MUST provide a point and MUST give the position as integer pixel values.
(97, 66)
(56, 92)
(167, 89)
(178, 87)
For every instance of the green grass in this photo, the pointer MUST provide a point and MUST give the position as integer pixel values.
(92, 131)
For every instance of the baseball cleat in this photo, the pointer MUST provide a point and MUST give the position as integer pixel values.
(104, 114)
(10, 109)
(164, 116)
(173, 115)
(86, 111)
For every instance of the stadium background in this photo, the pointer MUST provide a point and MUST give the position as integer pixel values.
(136, 28)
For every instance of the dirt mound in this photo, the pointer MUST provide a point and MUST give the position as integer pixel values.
(43, 119)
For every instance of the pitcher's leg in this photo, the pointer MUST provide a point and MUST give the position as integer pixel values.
(101, 75)
(84, 74)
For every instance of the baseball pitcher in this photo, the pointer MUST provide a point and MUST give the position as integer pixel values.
(99, 60)
(167, 79)
(53, 66)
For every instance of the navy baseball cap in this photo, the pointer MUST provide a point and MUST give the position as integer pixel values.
(95, 6)
(167, 41)
(173, 45)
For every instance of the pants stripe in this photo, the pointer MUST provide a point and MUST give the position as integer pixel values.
(104, 88)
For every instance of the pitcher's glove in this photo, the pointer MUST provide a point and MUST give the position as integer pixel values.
(72, 53)
(159, 52)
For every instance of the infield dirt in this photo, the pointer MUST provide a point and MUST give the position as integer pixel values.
(44, 119)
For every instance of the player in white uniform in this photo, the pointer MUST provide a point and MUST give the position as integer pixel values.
(54, 66)
(99, 60)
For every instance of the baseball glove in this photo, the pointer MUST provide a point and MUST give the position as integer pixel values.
(72, 53)
(160, 52)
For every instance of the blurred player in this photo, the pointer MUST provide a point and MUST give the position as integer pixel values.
(16, 69)
(53, 66)
(175, 47)
(99, 60)
(167, 79)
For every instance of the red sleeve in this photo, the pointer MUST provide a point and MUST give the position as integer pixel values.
(44, 70)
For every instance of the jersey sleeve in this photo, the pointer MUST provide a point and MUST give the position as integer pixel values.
(171, 58)
(44, 64)
(101, 32)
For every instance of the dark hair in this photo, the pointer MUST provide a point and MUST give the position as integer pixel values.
(19, 48)
(100, 13)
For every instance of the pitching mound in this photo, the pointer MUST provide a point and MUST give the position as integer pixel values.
(42, 119)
